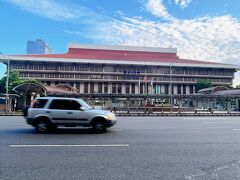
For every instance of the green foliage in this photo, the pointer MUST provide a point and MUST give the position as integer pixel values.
(14, 80)
(201, 84)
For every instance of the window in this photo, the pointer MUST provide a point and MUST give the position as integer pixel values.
(39, 103)
(191, 89)
(141, 88)
(67, 67)
(50, 67)
(179, 89)
(149, 70)
(166, 89)
(164, 70)
(133, 88)
(92, 87)
(105, 88)
(23, 74)
(127, 88)
(78, 86)
(108, 69)
(114, 89)
(65, 105)
(119, 91)
(86, 87)
(184, 89)
(99, 87)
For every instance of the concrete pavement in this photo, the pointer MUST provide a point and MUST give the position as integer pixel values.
(138, 148)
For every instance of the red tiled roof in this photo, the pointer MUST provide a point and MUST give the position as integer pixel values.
(119, 55)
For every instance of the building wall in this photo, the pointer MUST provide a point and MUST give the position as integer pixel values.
(78, 74)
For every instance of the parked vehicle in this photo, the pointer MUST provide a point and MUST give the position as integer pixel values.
(46, 113)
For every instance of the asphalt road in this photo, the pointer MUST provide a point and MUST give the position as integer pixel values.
(136, 148)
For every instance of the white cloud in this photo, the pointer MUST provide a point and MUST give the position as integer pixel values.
(183, 3)
(207, 38)
(58, 10)
(157, 9)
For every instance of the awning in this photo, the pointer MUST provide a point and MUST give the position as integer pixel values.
(29, 88)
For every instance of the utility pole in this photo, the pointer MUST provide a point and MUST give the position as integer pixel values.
(171, 98)
(7, 82)
(171, 84)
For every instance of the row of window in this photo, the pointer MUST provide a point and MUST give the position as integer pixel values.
(121, 77)
(121, 69)
(128, 88)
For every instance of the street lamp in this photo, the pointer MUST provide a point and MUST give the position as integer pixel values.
(7, 82)
(171, 85)
(171, 96)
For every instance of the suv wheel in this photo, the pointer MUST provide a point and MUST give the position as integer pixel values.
(99, 127)
(42, 126)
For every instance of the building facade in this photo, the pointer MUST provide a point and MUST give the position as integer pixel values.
(38, 46)
(121, 70)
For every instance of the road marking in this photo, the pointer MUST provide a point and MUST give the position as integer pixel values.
(236, 129)
(220, 122)
(69, 145)
(116, 129)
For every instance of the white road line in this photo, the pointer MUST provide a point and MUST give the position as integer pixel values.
(236, 129)
(115, 129)
(68, 145)
(220, 122)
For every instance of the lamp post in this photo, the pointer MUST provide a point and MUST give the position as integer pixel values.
(171, 84)
(7, 82)
(171, 96)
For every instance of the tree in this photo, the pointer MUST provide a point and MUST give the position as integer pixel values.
(201, 84)
(14, 80)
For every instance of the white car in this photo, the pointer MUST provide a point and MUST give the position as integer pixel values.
(49, 112)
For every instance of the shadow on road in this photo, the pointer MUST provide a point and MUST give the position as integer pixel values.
(55, 131)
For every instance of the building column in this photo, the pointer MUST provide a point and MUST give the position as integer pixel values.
(95, 89)
(109, 88)
(169, 89)
(175, 89)
(136, 88)
(81, 90)
(123, 88)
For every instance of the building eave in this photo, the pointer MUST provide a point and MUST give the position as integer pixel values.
(101, 61)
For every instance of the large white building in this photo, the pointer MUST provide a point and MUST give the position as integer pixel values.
(121, 70)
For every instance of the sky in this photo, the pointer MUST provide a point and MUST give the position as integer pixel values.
(206, 30)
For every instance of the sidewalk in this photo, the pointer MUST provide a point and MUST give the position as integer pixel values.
(11, 113)
(177, 114)
(217, 113)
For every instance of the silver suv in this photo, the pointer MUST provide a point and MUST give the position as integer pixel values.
(46, 113)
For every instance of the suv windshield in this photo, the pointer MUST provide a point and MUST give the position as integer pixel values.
(84, 104)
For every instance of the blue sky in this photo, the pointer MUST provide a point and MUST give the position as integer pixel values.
(200, 29)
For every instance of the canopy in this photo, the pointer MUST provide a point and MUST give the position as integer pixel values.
(29, 88)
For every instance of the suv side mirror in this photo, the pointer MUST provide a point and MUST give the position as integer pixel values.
(82, 108)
